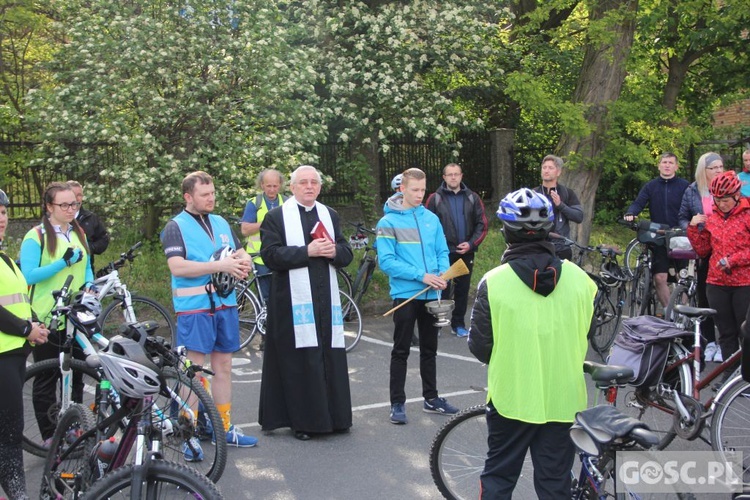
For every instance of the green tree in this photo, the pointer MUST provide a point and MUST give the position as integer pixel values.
(203, 85)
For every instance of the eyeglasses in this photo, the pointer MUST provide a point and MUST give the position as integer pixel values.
(68, 206)
(720, 199)
(717, 167)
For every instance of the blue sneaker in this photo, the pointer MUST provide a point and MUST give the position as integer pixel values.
(460, 331)
(205, 430)
(235, 437)
(439, 405)
(398, 414)
(192, 450)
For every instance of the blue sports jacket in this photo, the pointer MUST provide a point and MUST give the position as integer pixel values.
(411, 243)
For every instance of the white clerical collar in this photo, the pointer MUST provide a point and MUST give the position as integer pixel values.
(307, 209)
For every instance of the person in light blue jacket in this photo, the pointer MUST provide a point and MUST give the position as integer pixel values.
(413, 252)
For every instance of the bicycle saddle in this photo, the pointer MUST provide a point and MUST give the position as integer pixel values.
(600, 426)
(606, 375)
(694, 312)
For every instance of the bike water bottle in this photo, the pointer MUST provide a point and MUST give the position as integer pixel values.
(102, 455)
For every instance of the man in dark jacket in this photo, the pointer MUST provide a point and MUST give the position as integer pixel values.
(461, 213)
(663, 196)
(565, 202)
(96, 234)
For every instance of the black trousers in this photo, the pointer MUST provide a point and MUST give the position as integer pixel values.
(12, 374)
(731, 303)
(552, 454)
(45, 387)
(708, 328)
(458, 290)
(404, 320)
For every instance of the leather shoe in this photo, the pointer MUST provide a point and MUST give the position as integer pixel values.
(302, 436)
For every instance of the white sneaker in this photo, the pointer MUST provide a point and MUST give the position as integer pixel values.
(710, 351)
(717, 357)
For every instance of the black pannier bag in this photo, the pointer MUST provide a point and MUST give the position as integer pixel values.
(643, 345)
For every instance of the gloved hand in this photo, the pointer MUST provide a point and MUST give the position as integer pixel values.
(72, 256)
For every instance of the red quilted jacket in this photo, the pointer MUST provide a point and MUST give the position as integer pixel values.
(725, 236)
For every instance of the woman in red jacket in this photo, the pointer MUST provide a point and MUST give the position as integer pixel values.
(725, 234)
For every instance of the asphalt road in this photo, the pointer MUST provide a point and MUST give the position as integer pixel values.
(376, 459)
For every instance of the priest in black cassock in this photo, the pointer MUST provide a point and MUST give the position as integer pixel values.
(305, 382)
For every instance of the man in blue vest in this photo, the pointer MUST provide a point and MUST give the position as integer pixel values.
(204, 298)
(270, 182)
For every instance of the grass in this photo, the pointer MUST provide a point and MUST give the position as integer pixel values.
(149, 275)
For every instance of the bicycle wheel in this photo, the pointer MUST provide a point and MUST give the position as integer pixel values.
(163, 480)
(458, 453)
(42, 409)
(352, 321)
(252, 316)
(362, 281)
(145, 309)
(730, 424)
(345, 281)
(641, 289)
(648, 294)
(67, 472)
(607, 316)
(680, 295)
(633, 256)
(176, 433)
(645, 404)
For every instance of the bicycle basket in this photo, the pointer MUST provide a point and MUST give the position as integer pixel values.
(643, 345)
(678, 246)
(647, 233)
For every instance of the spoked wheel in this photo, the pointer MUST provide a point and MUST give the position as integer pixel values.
(352, 321)
(68, 472)
(145, 309)
(163, 480)
(458, 453)
(606, 322)
(252, 317)
(730, 424)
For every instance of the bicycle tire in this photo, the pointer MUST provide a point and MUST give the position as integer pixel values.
(215, 455)
(680, 295)
(164, 480)
(458, 453)
(729, 425)
(345, 281)
(607, 316)
(145, 309)
(642, 287)
(362, 281)
(49, 411)
(632, 256)
(251, 315)
(66, 478)
(352, 321)
(644, 403)
(648, 303)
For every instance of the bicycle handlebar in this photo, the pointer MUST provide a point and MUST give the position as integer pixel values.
(361, 229)
(61, 297)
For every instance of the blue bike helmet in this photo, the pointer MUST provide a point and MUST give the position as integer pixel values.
(526, 216)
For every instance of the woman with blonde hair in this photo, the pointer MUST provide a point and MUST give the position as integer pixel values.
(698, 200)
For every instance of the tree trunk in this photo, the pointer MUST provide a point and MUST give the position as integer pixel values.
(599, 85)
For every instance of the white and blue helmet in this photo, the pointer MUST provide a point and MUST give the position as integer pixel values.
(396, 182)
(526, 215)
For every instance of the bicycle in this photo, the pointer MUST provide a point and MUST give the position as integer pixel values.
(134, 307)
(609, 301)
(253, 312)
(671, 405)
(75, 381)
(459, 449)
(77, 465)
(359, 241)
(686, 289)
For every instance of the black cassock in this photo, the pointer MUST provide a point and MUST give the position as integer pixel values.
(306, 389)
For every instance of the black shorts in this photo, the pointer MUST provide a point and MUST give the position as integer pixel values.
(661, 263)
